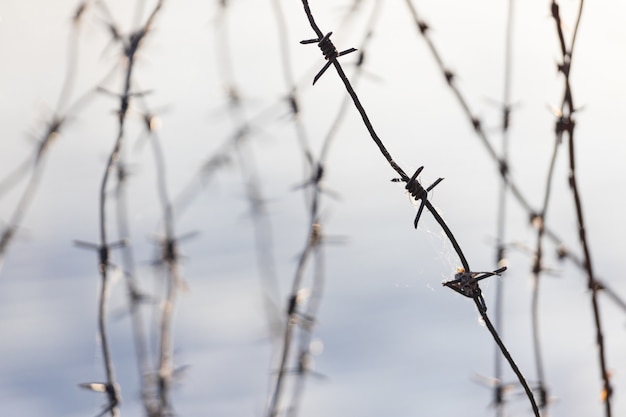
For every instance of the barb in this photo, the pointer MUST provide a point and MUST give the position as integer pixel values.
(329, 51)
(418, 192)
(466, 283)
(112, 392)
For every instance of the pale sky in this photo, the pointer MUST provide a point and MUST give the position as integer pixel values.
(395, 341)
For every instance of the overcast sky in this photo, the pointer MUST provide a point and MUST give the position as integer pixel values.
(395, 341)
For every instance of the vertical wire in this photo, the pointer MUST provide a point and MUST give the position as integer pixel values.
(502, 205)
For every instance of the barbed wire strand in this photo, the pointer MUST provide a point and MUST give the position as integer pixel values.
(565, 123)
(154, 384)
(331, 55)
(501, 255)
(130, 47)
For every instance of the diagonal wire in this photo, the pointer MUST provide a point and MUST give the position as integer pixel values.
(332, 58)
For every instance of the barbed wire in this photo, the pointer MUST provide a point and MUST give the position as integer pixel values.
(412, 185)
(130, 45)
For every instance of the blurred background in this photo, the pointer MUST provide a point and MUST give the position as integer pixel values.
(389, 338)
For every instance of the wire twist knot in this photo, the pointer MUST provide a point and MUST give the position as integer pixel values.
(329, 50)
(466, 283)
(417, 191)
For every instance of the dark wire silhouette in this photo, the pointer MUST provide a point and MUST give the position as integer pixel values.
(331, 54)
